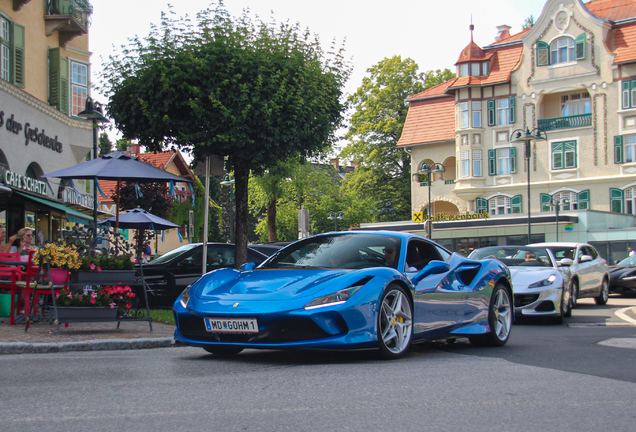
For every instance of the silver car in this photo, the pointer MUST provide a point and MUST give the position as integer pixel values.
(590, 273)
(540, 283)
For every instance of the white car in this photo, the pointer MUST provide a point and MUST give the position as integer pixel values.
(541, 285)
(590, 273)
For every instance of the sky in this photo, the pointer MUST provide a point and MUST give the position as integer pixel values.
(430, 32)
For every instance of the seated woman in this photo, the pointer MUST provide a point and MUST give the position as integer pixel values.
(22, 243)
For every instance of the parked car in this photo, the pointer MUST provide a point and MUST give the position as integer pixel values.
(168, 275)
(542, 286)
(590, 273)
(268, 249)
(349, 290)
(623, 276)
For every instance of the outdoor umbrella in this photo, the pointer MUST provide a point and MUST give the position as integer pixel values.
(117, 166)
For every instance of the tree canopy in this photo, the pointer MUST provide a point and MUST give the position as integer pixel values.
(379, 113)
(232, 86)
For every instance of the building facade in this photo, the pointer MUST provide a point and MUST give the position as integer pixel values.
(571, 80)
(44, 83)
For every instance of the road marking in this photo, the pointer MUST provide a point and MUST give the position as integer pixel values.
(620, 343)
(600, 324)
(621, 313)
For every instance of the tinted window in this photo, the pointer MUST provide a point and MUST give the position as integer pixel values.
(419, 253)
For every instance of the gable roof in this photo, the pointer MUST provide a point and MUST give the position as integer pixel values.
(428, 121)
(613, 10)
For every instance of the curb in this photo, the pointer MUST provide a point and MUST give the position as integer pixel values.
(91, 345)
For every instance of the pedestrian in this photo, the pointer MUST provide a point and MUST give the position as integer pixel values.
(631, 250)
(5, 247)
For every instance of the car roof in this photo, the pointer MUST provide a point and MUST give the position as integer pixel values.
(557, 244)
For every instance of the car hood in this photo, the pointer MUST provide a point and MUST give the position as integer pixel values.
(272, 284)
(524, 276)
(618, 272)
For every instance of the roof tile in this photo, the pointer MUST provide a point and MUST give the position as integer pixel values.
(429, 121)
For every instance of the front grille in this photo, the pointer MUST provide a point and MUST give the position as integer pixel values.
(525, 299)
(289, 330)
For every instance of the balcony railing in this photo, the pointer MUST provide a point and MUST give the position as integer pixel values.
(574, 121)
(57, 17)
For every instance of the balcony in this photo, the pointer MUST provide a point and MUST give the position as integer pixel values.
(70, 18)
(569, 122)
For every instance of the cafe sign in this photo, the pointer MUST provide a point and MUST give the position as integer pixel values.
(23, 182)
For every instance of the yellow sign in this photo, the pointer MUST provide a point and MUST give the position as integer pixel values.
(418, 217)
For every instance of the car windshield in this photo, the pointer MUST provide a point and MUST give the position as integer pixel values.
(627, 262)
(515, 255)
(341, 251)
(173, 253)
(561, 252)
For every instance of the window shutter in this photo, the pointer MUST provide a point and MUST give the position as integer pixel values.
(618, 149)
(492, 162)
(516, 204)
(491, 112)
(58, 81)
(482, 205)
(580, 46)
(513, 160)
(583, 199)
(626, 94)
(543, 54)
(546, 201)
(18, 55)
(512, 109)
(616, 200)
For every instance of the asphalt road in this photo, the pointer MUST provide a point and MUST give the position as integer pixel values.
(546, 378)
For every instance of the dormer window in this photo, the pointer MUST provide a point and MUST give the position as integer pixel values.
(473, 69)
(463, 69)
(561, 50)
(484, 68)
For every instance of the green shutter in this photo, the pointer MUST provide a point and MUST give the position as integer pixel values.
(58, 81)
(626, 93)
(491, 112)
(516, 204)
(618, 149)
(632, 90)
(583, 198)
(492, 162)
(513, 160)
(543, 54)
(482, 205)
(511, 103)
(18, 55)
(616, 200)
(580, 46)
(546, 202)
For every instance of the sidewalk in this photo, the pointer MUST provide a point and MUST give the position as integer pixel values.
(43, 337)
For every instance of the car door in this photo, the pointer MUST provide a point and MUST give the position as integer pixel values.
(585, 272)
(440, 299)
(597, 266)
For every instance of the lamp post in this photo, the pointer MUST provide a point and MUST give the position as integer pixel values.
(429, 170)
(93, 111)
(335, 216)
(556, 203)
(228, 180)
(526, 137)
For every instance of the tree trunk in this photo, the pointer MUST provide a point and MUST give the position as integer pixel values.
(241, 177)
(271, 220)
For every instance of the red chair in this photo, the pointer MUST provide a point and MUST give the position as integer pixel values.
(11, 274)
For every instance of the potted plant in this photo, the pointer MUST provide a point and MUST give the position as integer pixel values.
(106, 269)
(90, 305)
(62, 258)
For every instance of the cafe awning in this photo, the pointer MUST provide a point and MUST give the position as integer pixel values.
(71, 215)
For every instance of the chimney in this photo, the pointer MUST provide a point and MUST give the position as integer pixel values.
(134, 149)
(335, 162)
(354, 164)
(503, 31)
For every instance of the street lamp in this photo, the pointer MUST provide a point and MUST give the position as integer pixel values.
(93, 111)
(429, 170)
(335, 216)
(527, 136)
(556, 202)
(228, 180)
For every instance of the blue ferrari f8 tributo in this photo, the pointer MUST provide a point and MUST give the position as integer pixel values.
(349, 290)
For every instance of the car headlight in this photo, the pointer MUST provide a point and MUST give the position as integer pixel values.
(545, 282)
(185, 296)
(339, 297)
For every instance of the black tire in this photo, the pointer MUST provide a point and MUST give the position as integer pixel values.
(223, 351)
(499, 319)
(394, 322)
(603, 296)
(566, 302)
(575, 293)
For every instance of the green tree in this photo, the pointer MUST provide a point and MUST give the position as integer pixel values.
(122, 144)
(528, 23)
(105, 145)
(379, 113)
(236, 87)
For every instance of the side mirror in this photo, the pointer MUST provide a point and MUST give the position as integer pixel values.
(248, 266)
(566, 262)
(586, 258)
(433, 267)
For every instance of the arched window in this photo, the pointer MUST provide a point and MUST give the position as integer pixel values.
(562, 50)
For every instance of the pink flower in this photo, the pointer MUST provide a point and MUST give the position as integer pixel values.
(99, 269)
(92, 266)
(112, 305)
(92, 301)
(128, 306)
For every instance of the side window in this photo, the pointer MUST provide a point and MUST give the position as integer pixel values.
(419, 253)
(580, 253)
(444, 254)
(257, 259)
(589, 250)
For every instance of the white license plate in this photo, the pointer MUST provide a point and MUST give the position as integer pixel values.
(226, 325)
